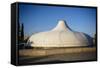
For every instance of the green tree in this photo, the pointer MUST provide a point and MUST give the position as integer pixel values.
(22, 32)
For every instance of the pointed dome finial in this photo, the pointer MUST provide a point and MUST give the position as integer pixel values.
(61, 22)
(62, 25)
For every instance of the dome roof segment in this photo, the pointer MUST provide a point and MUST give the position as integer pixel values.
(60, 36)
(61, 26)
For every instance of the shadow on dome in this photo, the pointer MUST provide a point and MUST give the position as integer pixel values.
(90, 40)
(67, 25)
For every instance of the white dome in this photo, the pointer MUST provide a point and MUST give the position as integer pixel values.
(60, 36)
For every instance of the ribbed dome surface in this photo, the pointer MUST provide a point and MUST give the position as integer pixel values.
(60, 36)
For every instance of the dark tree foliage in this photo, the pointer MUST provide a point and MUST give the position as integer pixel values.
(22, 33)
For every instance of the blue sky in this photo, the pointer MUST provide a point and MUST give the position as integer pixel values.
(38, 18)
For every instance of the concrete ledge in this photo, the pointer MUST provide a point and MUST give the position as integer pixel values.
(55, 51)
